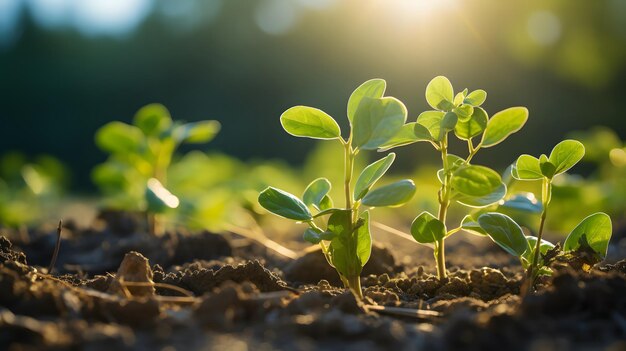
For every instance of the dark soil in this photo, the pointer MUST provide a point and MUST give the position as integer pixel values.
(115, 288)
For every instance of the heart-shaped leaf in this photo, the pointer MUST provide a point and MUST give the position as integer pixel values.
(153, 119)
(309, 122)
(566, 154)
(596, 230)
(371, 174)
(376, 121)
(315, 192)
(472, 127)
(503, 124)
(373, 88)
(284, 204)
(439, 94)
(427, 229)
(504, 232)
(394, 194)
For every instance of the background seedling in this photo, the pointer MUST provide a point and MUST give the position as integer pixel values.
(140, 155)
(346, 240)
(468, 184)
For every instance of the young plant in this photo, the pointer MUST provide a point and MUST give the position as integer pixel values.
(592, 235)
(461, 181)
(345, 240)
(140, 155)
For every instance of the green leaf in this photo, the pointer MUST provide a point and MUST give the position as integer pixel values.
(529, 254)
(284, 204)
(119, 137)
(458, 99)
(326, 203)
(311, 235)
(427, 229)
(376, 121)
(566, 154)
(504, 232)
(196, 132)
(464, 112)
(527, 168)
(476, 98)
(340, 224)
(153, 119)
(474, 126)
(371, 174)
(503, 124)
(315, 192)
(309, 122)
(373, 88)
(437, 123)
(525, 202)
(470, 225)
(472, 180)
(327, 211)
(482, 201)
(547, 168)
(405, 136)
(394, 194)
(439, 94)
(364, 239)
(158, 198)
(596, 229)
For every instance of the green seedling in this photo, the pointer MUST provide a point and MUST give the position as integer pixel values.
(461, 181)
(140, 155)
(346, 240)
(592, 233)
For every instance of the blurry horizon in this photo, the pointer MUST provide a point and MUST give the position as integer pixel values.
(69, 66)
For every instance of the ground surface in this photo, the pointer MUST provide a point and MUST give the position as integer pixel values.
(226, 293)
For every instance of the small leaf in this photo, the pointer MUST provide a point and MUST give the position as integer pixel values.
(527, 168)
(427, 229)
(597, 229)
(364, 240)
(394, 194)
(158, 198)
(371, 174)
(566, 154)
(464, 112)
(373, 88)
(315, 192)
(439, 94)
(284, 204)
(326, 203)
(119, 137)
(309, 122)
(547, 168)
(475, 180)
(376, 121)
(476, 98)
(504, 232)
(437, 123)
(196, 132)
(482, 201)
(470, 225)
(311, 235)
(532, 243)
(474, 126)
(405, 136)
(153, 119)
(503, 124)
(328, 211)
(458, 98)
(525, 202)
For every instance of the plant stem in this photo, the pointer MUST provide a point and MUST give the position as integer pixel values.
(444, 203)
(546, 194)
(354, 283)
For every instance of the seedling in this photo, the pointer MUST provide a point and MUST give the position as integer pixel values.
(140, 155)
(470, 185)
(346, 240)
(592, 234)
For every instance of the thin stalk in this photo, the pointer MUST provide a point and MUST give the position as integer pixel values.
(546, 194)
(57, 247)
(353, 281)
(444, 203)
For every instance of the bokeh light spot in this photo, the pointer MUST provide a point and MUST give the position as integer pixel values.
(544, 28)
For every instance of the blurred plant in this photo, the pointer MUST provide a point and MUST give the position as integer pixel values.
(374, 120)
(27, 188)
(470, 185)
(135, 175)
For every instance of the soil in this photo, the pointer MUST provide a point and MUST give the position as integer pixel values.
(115, 288)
